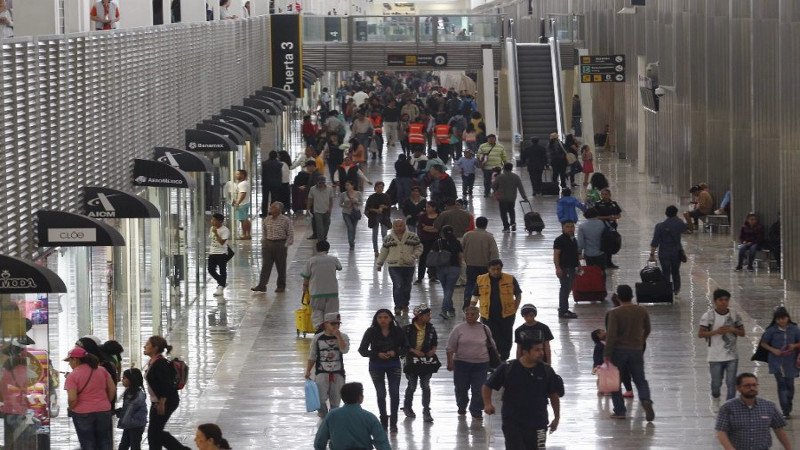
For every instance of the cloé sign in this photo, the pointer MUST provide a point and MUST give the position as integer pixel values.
(287, 53)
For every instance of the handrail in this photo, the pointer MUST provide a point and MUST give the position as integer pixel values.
(555, 58)
(511, 51)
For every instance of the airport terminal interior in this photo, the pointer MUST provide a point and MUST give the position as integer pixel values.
(130, 126)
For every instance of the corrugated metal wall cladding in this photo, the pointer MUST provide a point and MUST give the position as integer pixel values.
(86, 105)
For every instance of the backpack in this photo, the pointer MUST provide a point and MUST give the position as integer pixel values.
(610, 241)
(181, 372)
(549, 374)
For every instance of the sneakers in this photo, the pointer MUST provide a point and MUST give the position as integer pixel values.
(218, 292)
(568, 315)
(506, 230)
(409, 412)
(513, 227)
(258, 289)
(738, 268)
(649, 414)
(618, 416)
(426, 415)
(451, 314)
(444, 315)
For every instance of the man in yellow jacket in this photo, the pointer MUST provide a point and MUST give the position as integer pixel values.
(498, 296)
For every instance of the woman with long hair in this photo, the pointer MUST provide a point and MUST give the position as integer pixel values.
(90, 390)
(209, 437)
(384, 343)
(782, 341)
(587, 160)
(163, 395)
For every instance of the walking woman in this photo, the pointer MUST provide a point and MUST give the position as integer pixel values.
(351, 201)
(378, 211)
(782, 341)
(422, 340)
(448, 274)
(468, 359)
(427, 235)
(89, 393)
(587, 159)
(161, 389)
(384, 343)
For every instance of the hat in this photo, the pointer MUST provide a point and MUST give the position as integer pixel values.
(76, 352)
(332, 317)
(528, 308)
(421, 309)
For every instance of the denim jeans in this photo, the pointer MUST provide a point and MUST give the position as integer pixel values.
(402, 277)
(671, 267)
(467, 183)
(411, 387)
(392, 374)
(375, 232)
(747, 251)
(487, 182)
(785, 392)
(94, 430)
(322, 223)
(469, 377)
(131, 439)
(350, 224)
(716, 368)
(469, 285)
(403, 189)
(567, 280)
(631, 361)
(448, 276)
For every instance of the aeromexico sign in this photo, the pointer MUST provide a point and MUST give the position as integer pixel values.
(157, 174)
(106, 203)
(287, 53)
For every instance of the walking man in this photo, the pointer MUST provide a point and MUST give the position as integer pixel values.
(350, 426)
(534, 155)
(499, 296)
(529, 384)
(506, 185)
(744, 422)
(241, 203)
(320, 204)
(667, 240)
(720, 327)
(276, 238)
(218, 252)
(628, 327)
(590, 239)
(319, 277)
(326, 357)
(490, 155)
(400, 251)
(480, 247)
(565, 258)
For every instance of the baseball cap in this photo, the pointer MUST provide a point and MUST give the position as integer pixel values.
(332, 317)
(76, 352)
(420, 309)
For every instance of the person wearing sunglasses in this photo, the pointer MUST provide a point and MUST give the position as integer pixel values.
(326, 358)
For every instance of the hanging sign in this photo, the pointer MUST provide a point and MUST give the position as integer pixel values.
(603, 69)
(287, 53)
(206, 141)
(65, 229)
(415, 60)
(19, 276)
(186, 161)
(106, 203)
(147, 172)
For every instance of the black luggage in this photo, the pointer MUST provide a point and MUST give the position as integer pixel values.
(533, 220)
(610, 240)
(658, 292)
(651, 274)
(550, 188)
(299, 197)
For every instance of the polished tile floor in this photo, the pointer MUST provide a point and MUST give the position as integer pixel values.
(247, 362)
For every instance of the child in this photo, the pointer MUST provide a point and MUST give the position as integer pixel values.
(599, 338)
(532, 329)
(133, 414)
(326, 357)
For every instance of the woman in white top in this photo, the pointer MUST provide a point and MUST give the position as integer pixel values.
(225, 11)
(6, 21)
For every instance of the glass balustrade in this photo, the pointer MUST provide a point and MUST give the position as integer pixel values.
(424, 29)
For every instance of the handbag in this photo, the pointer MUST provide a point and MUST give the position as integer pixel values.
(761, 354)
(355, 214)
(607, 378)
(422, 365)
(438, 258)
(312, 396)
(494, 355)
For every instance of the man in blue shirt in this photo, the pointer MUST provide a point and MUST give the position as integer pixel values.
(351, 427)
(744, 422)
(590, 239)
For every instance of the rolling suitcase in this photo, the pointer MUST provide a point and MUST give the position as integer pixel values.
(651, 273)
(658, 292)
(533, 220)
(590, 285)
(302, 316)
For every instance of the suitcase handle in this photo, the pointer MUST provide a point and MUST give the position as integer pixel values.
(522, 202)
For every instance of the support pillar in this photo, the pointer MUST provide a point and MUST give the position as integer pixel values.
(486, 90)
(37, 18)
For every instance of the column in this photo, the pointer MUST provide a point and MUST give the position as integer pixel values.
(36, 18)
(486, 90)
(76, 16)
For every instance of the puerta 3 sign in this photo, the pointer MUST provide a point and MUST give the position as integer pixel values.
(287, 53)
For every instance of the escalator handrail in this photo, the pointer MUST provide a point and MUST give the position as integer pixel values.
(515, 68)
(555, 58)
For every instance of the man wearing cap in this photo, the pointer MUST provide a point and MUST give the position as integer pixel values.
(490, 155)
(480, 247)
(533, 329)
(325, 354)
(320, 204)
(277, 236)
(499, 296)
(422, 342)
(319, 277)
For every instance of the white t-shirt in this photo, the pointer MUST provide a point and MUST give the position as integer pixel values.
(360, 97)
(722, 347)
(216, 248)
(243, 186)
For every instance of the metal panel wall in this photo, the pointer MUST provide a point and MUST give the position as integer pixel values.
(77, 109)
(741, 105)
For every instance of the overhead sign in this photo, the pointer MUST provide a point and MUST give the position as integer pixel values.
(287, 53)
(65, 229)
(206, 141)
(186, 161)
(147, 172)
(19, 276)
(333, 29)
(429, 60)
(106, 203)
(603, 69)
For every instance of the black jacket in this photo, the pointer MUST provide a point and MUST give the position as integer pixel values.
(431, 339)
(161, 379)
(534, 156)
(375, 342)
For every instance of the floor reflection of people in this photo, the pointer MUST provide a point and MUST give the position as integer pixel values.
(13, 392)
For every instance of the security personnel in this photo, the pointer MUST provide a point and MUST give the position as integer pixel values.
(499, 296)
(416, 135)
(442, 133)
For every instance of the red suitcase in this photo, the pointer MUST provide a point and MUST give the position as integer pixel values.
(590, 285)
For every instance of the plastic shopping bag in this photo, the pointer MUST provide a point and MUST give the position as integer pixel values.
(312, 396)
(607, 378)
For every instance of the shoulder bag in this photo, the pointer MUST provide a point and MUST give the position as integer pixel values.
(438, 258)
(494, 355)
(421, 365)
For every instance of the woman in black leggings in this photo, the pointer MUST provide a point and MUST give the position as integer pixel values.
(163, 395)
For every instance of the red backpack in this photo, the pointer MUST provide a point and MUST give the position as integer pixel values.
(181, 372)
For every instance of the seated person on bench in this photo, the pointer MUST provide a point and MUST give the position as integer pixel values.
(725, 206)
(703, 206)
(751, 239)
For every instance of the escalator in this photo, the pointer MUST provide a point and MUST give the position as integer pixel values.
(537, 87)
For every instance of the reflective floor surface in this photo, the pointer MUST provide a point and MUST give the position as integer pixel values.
(247, 362)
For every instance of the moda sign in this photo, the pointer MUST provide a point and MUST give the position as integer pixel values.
(20, 276)
(9, 282)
